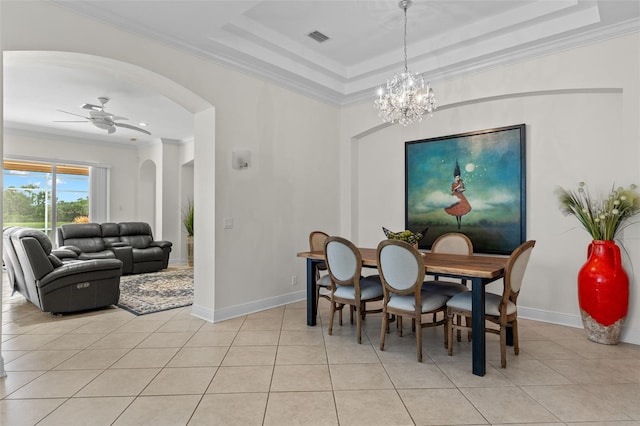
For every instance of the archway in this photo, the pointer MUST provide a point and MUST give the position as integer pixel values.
(204, 149)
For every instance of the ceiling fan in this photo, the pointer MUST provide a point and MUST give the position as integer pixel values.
(101, 119)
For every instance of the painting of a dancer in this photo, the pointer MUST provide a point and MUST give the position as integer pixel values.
(476, 178)
(461, 206)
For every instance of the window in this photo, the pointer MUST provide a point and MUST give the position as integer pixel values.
(44, 195)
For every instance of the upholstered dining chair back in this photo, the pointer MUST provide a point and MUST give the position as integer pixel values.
(401, 269)
(453, 243)
(516, 267)
(343, 260)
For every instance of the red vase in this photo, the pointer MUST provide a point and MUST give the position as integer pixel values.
(603, 292)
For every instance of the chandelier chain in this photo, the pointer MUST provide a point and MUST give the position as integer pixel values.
(406, 97)
(406, 68)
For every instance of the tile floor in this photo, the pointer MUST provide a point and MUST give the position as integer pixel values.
(112, 368)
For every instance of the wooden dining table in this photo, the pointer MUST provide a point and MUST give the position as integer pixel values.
(479, 269)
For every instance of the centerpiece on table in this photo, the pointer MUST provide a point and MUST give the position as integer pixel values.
(603, 284)
(405, 235)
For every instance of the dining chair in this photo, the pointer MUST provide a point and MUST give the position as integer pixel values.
(322, 278)
(348, 287)
(401, 269)
(449, 243)
(500, 309)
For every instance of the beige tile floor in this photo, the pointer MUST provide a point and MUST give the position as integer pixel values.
(112, 368)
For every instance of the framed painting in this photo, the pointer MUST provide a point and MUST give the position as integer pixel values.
(472, 183)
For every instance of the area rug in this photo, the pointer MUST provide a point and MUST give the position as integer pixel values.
(143, 294)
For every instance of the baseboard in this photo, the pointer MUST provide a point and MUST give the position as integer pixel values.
(202, 312)
(629, 335)
(248, 308)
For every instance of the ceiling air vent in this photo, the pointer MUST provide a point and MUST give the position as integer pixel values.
(318, 36)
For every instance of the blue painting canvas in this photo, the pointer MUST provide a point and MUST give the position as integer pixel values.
(473, 183)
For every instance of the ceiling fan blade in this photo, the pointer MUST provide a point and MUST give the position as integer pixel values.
(128, 126)
(117, 117)
(92, 107)
(73, 113)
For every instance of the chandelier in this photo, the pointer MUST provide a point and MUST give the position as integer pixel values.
(406, 97)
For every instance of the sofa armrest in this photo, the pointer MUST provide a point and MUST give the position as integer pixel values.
(162, 244)
(124, 253)
(74, 249)
(65, 253)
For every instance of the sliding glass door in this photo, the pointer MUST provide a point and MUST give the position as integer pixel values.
(45, 195)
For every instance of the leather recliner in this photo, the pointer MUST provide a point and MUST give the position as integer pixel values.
(54, 286)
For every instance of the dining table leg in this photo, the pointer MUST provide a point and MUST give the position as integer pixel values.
(478, 342)
(312, 303)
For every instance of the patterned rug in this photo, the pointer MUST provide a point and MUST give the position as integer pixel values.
(143, 294)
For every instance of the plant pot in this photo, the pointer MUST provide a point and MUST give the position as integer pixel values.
(603, 292)
(190, 250)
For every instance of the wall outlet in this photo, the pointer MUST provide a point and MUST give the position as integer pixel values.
(228, 223)
(294, 280)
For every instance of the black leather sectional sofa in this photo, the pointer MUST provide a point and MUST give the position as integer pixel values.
(130, 242)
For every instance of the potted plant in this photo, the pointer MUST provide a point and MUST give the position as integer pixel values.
(187, 220)
(603, 284)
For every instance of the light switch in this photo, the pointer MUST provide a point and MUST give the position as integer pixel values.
(228, 222)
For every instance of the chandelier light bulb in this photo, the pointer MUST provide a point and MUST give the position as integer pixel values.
(406, 97)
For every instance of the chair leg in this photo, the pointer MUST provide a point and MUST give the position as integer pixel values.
(384, 328)
(351, 310)
(332, 311)
(340, 315)
(359, 327)
(503, 345)
(459, 330)
(418, 329)
(399, 326)
(516, 346)
(446, 333)
(450, 332)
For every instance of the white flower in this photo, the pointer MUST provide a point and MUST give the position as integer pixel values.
(615, 211)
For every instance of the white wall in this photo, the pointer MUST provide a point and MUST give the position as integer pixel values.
(581, 108)
(290, 189)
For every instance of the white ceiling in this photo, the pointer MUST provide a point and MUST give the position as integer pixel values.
(268, 38)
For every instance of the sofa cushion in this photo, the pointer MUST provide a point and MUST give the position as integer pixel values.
(86, 236)
(110, 233)
(136, 234)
